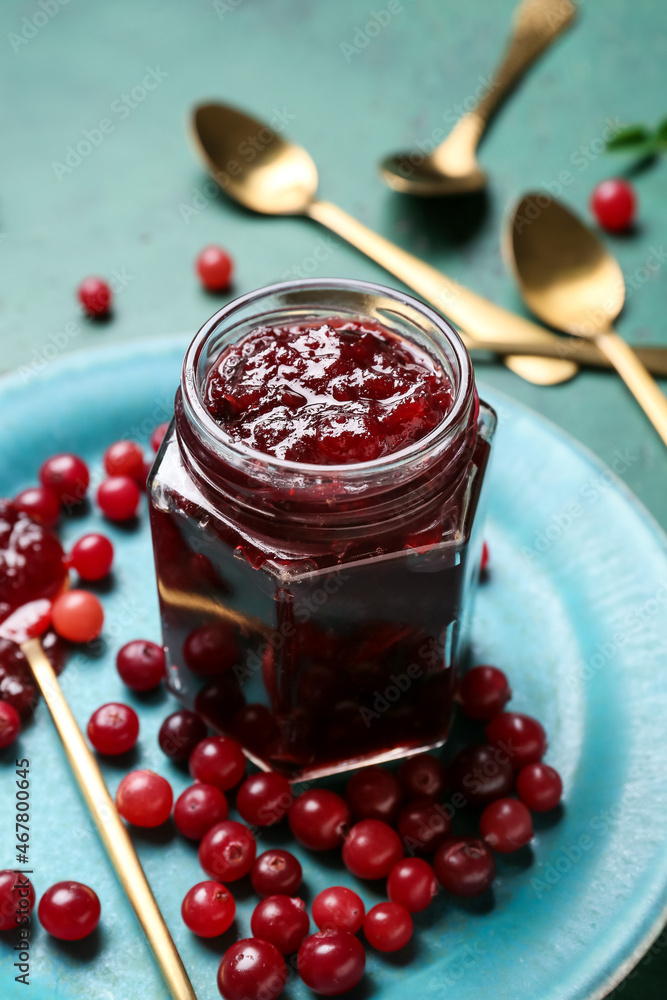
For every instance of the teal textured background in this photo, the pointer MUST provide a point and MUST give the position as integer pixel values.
(139, 205)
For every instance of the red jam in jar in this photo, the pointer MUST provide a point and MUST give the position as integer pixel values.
(315, 508)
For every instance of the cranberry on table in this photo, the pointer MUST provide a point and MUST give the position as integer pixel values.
(539, 787)
(69, 911)
(210, 650)
(373, 793)
(92, 556)
(124, 458)
(481, 774)
(252, 969)
(264, 799)
(141, 664)
(613, 203)
(331, 962)
(157, 436)
(95, 296)
(214, 267)
(464, 866)
(276, 872)
(227, 852)
(113, 728)
(388, 927)
(17, 897)
(144, 798)
(422, 825)
(219, 761)
(180, 733)
(422, 775)
(371, 849)
(78, 616)
(10, 724)
(520, 737)
(198, 809)
(40, 503)
(67, 476)
(506, 825)
(318, 819)
(282, 920)
(483, 692)
(338, 908)
(412, 883)
(19, 694)
(118, 498)
(208, 909)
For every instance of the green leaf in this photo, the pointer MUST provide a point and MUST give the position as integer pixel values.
(630, 139)
(661, 133)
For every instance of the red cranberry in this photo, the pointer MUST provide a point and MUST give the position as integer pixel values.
(10, 724)
(180, 733)
(422, 775)
(464, 866)
(40, 503)
(539, 787)
(412, 883)
(219, 761)
(252, 969)
(118, 498)
(481, 774)
(422, 826)
(521, 737)
(17, 898)
(77, 615)
(92, 556)
(209, 650)
(484, 692)
(113, 728)
(95, 296)
(318, 819)
(331, 962)
(157, 436)
(276, 872)
(388, 926)
(218, 701)
(484, 561)
(214, 267)
(371, 849)
(338, 908)
(69, 911)
(254, 727)
(227, 851)
(373, 793)
(506, 825)
(141, 664)
(264, 799)
(198, 809)
(613, 203)
(282, 920)
(208, 909)
(18, 693)
(144, 798)
(124, 458)
(67, 476)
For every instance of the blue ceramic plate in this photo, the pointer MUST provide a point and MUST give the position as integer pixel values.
(574, 611)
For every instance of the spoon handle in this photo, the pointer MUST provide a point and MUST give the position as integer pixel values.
(473, 313)
(645, 390)
(111, 828)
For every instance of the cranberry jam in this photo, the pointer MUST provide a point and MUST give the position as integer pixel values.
(316, 513)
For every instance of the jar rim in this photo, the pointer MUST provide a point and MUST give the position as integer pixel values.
(349, 471)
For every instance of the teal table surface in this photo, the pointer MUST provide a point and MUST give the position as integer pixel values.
(133, 205)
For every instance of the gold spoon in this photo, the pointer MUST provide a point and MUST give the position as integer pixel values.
(23, 627)
(571, 282)
(452, 167)
(266, 173)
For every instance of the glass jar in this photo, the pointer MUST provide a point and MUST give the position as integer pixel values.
(316, 613)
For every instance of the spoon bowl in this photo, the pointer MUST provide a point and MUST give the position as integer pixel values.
(252, 163)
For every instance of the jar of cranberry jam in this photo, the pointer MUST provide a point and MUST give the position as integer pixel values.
(316, 508)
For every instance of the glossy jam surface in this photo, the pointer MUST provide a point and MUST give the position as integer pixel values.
(32, 563)
(329, 394)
